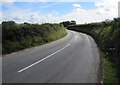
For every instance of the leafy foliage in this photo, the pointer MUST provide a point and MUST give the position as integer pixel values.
(19, 36)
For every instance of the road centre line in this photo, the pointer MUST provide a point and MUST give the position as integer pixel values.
(76, 37)
(42, 59)
(87, 38)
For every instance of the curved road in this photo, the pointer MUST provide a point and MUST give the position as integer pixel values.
(72, 59)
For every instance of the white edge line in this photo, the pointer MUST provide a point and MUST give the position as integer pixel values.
(43, 59)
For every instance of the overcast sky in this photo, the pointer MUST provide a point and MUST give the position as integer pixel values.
(35, 11)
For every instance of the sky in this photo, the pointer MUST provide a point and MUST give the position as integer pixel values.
(57, 11)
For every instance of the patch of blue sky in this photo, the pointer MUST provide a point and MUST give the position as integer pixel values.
(48, 7)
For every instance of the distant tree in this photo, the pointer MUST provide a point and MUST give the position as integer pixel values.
(65, 23)
(8, 24)
(73, 22)
(26, 23)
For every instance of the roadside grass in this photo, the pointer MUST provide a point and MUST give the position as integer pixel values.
(109, 71)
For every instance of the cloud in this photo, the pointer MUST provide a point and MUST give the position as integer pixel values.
(79, 15)
(29, 16)
(52, 0)
(77, 5)
(106, 9)
(5, 2)
(86, 16)
(109, 7)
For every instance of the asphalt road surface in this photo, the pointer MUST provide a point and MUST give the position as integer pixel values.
(72, 59)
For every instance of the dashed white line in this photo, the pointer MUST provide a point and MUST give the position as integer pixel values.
(87, 38)
(76, 37)
(43, 59)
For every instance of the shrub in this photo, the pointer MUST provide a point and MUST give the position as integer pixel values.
(19, 36)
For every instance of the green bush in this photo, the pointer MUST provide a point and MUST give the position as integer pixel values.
(20, 36)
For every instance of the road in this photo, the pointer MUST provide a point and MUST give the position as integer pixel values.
(72, 59)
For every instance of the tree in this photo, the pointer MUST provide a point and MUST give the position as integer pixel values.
(73, 22)
(67, 23)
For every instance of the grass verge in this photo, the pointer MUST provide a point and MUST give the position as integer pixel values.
(109, 71)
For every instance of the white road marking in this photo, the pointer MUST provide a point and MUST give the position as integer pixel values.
(87, 38)
(43, 59)
(76, 37)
